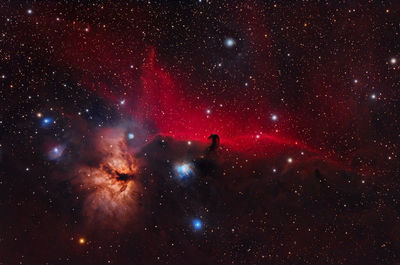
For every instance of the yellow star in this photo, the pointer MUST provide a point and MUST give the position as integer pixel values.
(82, 241)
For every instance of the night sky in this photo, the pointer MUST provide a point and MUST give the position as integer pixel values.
(199, 132)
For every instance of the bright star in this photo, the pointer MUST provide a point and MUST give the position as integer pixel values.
(393, 61)
(29, 11)
(229, 42)
(46, 121)
(274, 117)
(131, 136)
(373, 96)
(197, 224)
(290, 160)
(56, 152)
(184, 170)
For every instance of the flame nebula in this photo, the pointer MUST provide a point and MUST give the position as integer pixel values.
(111, 186)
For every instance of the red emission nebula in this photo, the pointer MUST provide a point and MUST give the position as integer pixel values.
(152, 93)
(159, 98)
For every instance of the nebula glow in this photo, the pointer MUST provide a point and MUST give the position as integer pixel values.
(205, 132)
(184, 170)
(56, 152)
(111, 186)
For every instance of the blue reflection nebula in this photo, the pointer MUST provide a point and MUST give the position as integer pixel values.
(56, 152)
(184, 170)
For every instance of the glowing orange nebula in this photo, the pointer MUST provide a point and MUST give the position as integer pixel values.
(111, 186)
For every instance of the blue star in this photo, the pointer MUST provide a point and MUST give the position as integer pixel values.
(131, 136)
(197, 224)
(229, 42)
(46, 121)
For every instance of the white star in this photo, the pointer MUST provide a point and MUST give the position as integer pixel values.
(229, 42)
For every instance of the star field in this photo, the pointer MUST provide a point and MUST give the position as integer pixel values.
(199, 132)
